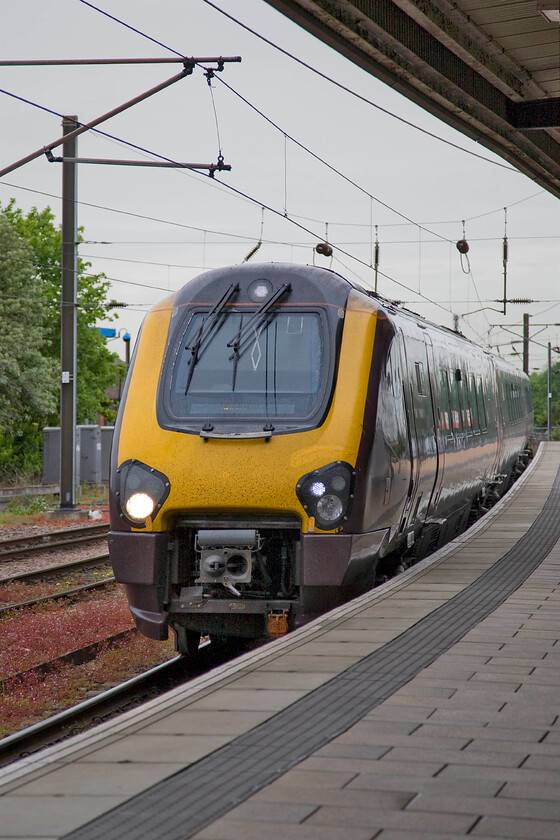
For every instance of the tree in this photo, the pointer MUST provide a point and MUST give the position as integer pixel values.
(539, 391)
(27, 374)
(32, 265)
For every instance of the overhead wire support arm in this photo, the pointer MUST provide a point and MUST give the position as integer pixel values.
(189, 65)
(60, 62)
(220, 166)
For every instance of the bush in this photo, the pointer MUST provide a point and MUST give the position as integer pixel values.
(26, 505)
(21, 455)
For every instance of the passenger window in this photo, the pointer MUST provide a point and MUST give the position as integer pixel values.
(445, 421)
(462, 388)
(516, 401)
(456, 413)
(481, 405)
(473, 405)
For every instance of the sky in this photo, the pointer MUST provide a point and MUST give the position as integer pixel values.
(322, 163)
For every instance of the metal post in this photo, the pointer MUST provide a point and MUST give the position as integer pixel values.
(126, 339)
(549, 395)
(526, 343)
(68, 325)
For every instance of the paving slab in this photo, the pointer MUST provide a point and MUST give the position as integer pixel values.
(96, 779)
(491, 805)
(272, 812)
(157, 748)
(191, 721)
(534, 829)
(29, 818)
(227, 829)
(373, 818)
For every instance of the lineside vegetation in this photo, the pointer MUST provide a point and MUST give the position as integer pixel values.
(30, 286)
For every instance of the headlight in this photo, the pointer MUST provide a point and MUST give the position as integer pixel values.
(141, 491)
(326, 494)
(330, 508)
(139, 506)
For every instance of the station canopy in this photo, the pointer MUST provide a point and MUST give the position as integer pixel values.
(489, 68)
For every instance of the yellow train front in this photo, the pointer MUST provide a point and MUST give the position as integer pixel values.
(283, 438)
(234, 453)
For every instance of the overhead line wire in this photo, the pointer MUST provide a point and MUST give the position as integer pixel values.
(354, 93)
(128, 212)
(128, 26)
(337, 247)
(254, 201)
(296, 142)
(240, 193)
(232, 189)
(313, 70)
(328, 165)
(272, 123)
(92, 128)
(317, 157)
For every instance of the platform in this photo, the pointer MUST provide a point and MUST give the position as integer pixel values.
(427, 708)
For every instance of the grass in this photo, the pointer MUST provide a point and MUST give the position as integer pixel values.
(25, 510)
(32, 510)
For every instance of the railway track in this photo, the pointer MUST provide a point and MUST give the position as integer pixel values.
(48, 540)
(60, 571)
(91, 711)
(58, 596)
(78, 656)
(42, 579)
(74, 657)
(109, 703)
(59, 568)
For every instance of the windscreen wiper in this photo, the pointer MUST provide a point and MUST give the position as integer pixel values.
(257, 319)
(235, 354)
(205, 328)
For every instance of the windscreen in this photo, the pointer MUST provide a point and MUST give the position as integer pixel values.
(229, 371)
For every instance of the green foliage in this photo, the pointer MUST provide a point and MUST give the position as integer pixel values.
(21, 453)
(27, 505)
(30, 290)
(27, 373)
(539, 390)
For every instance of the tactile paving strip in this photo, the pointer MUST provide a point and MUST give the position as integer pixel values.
(184, 804)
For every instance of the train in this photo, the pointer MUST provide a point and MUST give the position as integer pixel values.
(287, 440)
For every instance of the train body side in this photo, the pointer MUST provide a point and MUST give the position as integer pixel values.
(469, 419)
(417, 428)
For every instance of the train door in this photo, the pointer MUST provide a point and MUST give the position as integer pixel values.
(499, 401)
(418, 399)
(438, 429)
(395, 432)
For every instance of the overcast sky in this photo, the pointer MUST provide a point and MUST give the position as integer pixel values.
(416, 189)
